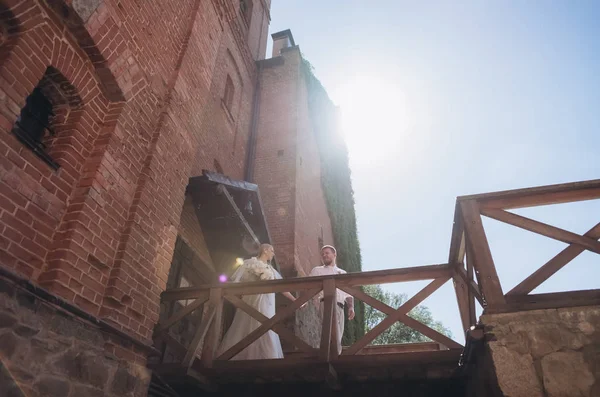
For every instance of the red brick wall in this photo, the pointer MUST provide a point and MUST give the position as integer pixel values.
(275, 162)
(288, 169)
(100, 231)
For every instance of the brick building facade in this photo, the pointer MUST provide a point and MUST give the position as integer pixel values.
(139, 98)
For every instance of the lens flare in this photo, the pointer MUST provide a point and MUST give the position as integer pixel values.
(222, 278)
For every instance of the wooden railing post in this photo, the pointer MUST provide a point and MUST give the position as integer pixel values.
(329, 301)
(471, 296)
(482, 256)
(211, 342)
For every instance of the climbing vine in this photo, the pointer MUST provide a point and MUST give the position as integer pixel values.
(337, 187)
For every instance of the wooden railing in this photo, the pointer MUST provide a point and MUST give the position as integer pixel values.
(479, 279)
(307, 288)
(470, 266)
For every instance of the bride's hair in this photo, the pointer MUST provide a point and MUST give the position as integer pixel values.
(262, 248)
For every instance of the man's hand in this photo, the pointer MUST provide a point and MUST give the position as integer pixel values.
(351, 313)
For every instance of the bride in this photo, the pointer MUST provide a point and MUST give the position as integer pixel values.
(268, 345)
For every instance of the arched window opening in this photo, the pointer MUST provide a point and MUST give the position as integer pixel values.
(228, 94)
(49, 105)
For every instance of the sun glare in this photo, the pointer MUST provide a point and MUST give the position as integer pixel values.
(374, 118)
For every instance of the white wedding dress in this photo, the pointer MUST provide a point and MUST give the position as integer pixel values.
(268, 345)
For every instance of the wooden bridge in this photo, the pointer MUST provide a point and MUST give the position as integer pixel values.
(470, 268)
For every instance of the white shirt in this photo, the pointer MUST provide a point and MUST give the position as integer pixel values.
(328, 271)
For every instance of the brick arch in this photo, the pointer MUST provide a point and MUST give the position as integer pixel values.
(55, 246)
(74, 22)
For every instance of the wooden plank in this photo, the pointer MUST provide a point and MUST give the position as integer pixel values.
(394, 275)
(472, 315)
(283, 332)
(553, 300)
(401, 348)
(462, 273)
(543, 229)
(553, 265)
(305, 283)
(172, 343)
(457, 239)
(211, 341)
(403, 318)
(168, 323)
(461, 290)
(190, 355)
(279, 366)
(482, 256)
(392, 318)
(412, 359)
(542, 195)
(267, 325)
(329, 302)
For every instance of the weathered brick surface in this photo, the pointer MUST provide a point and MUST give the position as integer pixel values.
(288, 171)
(47, 351)
(137, 89)
(143, 84)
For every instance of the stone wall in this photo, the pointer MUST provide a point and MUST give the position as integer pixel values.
(47, 351)
(549, 353)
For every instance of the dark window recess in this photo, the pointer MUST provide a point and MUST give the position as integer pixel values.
(228, 94)
(33, 122)
(279, 153)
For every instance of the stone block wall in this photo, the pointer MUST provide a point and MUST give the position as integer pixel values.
(48, 351)
(540, 353)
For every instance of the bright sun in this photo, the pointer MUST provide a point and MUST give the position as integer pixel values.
(374, 118)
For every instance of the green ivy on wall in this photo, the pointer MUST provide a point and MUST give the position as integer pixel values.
(337, 187)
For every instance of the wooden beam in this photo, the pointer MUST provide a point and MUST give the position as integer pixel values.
(482, 256)
(190, 355)
(306, 283)
(542, 195)
(543, 229)
(403, 318)
(329, 302)
(472, 314)
(473, 286)
(401, 348)
(168, 323)
(267, 325)
(553, 265)
(457, 239)
(211, 341)
(222, 189)
(394, 275)
(283, 332)
(553, 300)
(461, 289)
(396, 315)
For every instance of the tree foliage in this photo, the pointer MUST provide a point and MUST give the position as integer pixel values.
(398, 332)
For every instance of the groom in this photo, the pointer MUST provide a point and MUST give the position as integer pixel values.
(329, 267)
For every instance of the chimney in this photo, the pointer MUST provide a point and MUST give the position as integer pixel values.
(281, 40)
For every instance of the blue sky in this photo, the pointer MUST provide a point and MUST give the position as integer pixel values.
(442, 99)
